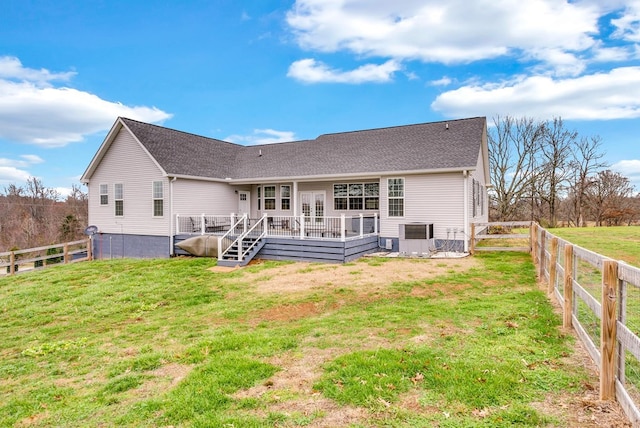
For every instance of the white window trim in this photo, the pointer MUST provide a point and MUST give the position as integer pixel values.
(389, 198)
(154, 199)
(282, 197)
(265, 198)
(106, 187)
(363, 197)
(115, 200)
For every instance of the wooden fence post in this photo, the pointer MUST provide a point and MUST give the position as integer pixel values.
(552, 265)
(608, 330)
(65, 251)
(89, 249)
(543, 256)
(473, 239)
(534, 243)
(567, 310)
(12, 263)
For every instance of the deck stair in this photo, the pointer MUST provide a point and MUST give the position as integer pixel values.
(230, 258)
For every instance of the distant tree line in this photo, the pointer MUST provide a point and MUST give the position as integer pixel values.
(34, 215)
(542, 171)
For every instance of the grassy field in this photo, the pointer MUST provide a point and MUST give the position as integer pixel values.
(450, 343)
(619, 243)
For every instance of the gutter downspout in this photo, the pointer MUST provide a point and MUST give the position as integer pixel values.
(171, 225)
(465, 175)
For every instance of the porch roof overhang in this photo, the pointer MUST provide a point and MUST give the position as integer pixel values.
(350, 176)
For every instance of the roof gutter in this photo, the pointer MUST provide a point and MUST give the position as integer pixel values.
(359, 175)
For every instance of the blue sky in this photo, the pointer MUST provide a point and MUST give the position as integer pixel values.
(274, 70)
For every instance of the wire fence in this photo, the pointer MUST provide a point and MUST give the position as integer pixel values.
(600, 299)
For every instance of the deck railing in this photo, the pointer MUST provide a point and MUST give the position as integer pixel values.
(200, 224)
(301, 227)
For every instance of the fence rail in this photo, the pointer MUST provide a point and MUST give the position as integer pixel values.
(504, 233)
(39, 257)
(600, 299)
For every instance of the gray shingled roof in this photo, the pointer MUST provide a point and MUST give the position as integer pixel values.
(427, 146)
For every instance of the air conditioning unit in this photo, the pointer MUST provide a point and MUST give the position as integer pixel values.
(416, 238)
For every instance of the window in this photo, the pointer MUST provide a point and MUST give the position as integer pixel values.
(269, 197)
(104, 194)
(356, 196)
(396, 197)
(478, 198)
(340, 192)
(118, 197)
(285, 197)
(371, 196)
(158, 199)
(259, 199)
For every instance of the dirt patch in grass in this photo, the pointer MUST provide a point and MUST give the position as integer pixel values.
(290, 391)
(360, 276)
(292, 312)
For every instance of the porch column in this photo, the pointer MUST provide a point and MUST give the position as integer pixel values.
(295, 199)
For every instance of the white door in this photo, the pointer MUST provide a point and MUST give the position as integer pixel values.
(312, 206)
(244, 203)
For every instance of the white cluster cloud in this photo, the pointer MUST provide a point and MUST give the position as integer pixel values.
(555, 43)
(628, 25)
(262, 136)
(312, 71)
(608, 95)
(33, 110)
(15, 170)
(553, 33)
(629, 168)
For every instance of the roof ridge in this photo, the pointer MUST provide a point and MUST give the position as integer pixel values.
(402, 126)
(179, 131)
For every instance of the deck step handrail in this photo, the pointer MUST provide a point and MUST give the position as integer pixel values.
(231, 230)
(257, 239)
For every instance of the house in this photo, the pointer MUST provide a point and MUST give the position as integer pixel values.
(411, 188)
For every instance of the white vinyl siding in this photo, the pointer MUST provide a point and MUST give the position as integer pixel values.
(126, 163)
(428, 198)
(477, 194)
(195, 197)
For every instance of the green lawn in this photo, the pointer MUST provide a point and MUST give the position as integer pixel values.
(146, 343)
(619, 243)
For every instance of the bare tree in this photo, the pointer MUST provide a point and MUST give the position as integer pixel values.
(585, 162)
(609, 198)
(33, 215)
(555, 150)
(512, 163)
